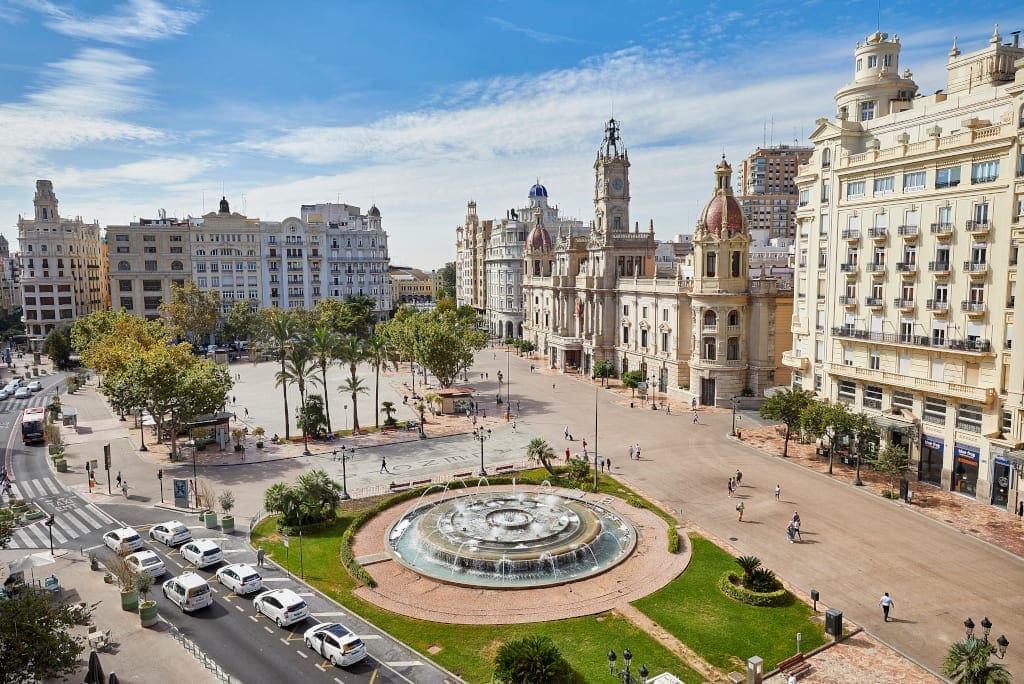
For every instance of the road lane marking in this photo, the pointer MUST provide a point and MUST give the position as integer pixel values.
(404, 663)
(277, 579)
(321, 615)
(301, 653)
(240, 609)
(269, 631)
(370, 636)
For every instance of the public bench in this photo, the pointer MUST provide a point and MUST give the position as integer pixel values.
(419, 483)
(504, 468)
(794, 665)
(395, 486)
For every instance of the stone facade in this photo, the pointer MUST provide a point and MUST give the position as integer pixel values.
(147, 257)
(910, 218)
(226, 256)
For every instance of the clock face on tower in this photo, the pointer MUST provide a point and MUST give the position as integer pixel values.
(617, 184)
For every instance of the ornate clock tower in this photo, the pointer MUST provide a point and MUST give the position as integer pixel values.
(611, 184)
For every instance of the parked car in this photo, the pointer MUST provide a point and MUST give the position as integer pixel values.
(202, 553)
(35, 386)
(146, 561)
(283, 606)
(22, 393)
(188, 591)
(240, 578)
(171, 533)
(4, 394)
(336, 643)
(123, 540)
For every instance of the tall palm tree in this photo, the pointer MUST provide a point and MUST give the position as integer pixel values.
(351, 350)
(298, 370)
(354, 386)
(323, 344)
(968, 662)
(540, 450)
(279, 330)
(381, 357)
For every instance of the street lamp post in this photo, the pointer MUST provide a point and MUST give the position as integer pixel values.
(195, 477)
(596, 391)
(345, 455)
(49, 525)
(1001, 643)
(735, 403)
(624, 674)
(482, 434)
(142, 432)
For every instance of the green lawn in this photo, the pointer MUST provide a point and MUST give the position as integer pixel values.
(726, 632)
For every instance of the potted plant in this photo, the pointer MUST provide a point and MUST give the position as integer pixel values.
(125, 577)
(258, 432)
(199, 436)
(238, 434)
(209, 515)
(94, 562)
(226, 499)
(147, 608)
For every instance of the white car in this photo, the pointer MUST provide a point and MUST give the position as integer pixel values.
(4, 394)
(336, 643)
(171, 533)
(123, 540)
(202, 552)
(188, 591)
(22, 393)
(240, 578)
(283, 606)
(146, 561)
(35, 386)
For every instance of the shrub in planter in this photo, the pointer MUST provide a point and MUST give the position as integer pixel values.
(731, 585)
(147, 609)
(258, 433)
(226, 499)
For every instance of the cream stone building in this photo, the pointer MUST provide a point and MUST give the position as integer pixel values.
(147, 257)
(63, 266)
(293, 263)
(10, 294)
(910, 218)
(226, 256)
(703, 325)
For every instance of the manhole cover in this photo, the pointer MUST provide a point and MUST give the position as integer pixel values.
(971, 529)
(734, 538)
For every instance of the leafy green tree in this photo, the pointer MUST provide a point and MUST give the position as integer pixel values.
(154, 373)
(446, 282)
(531, 660)
(969, 661)
(313, 498)
(6, 529)
(540, 451)
(191, 313)
(311, 419)
(351, 351)
(444, 343)
(58, 346)
(632, 380)
(787, 405)
(107, 341)
(381, 357)
(353, 386)
(36, 642)
(604, 369)
(893, 462)
(831, 421)
(277, 329)
(323, 345)
(200, 388)
(353, 316)
(240, 322)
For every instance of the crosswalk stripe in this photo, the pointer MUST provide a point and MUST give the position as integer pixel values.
(20, 540)
(57, 536)
(68, 516)
(32, 539)
(95, 520)
(27, 489)
(50, 486)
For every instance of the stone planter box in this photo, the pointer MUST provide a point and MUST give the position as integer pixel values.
(210, 520)
(148, 614)
(227, 524)
(62, 465)
(130, 601)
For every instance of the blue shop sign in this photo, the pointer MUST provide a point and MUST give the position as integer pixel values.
(964, 452)
(1002, 461)
(932, 442)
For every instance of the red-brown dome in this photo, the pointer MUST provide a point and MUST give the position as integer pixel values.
(722, 214)
(538, 240)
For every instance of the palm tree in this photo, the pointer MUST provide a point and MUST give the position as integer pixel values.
(353, 386)
(351, 350)
(749, 564)
(279, 330)
(380, 355)
(539, 450)
(298, 370)
(323, 344)
(968, 662)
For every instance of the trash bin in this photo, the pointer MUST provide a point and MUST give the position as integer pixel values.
(834, 623)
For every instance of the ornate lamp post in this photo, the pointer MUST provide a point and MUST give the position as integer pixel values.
(482, 434)
(1001, 643)
(735, 403)
(346, 453)
(624, 674)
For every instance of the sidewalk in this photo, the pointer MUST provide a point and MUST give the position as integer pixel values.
(135, 654)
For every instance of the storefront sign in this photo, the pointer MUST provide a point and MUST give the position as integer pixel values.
(1002, 461)
(932, 442)
(966, 454)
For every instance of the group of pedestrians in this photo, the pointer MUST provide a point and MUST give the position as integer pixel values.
(793, 529)
(634, 451)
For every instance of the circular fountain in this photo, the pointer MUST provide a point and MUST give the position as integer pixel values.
(510, 539)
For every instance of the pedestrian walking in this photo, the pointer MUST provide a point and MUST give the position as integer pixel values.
(796, 517)
(519, 407)
(731, 487)
(601, 464)
(695, 421)
(636, 447)
(739, 511)
(668, 409)
(513, 426)
(474, 421)
(238, 376)
(566, 454)
(778, 492)
(608, 464)
(630, 452)
(565, 431)
(246, 413)
(886, 602)
(234, 399)
(124, 488)
(790, 533)
(693, 403)
(384, 466)
(552, 387)
(260, 554)
(739, 477)
(1020, 510)
(796, 530)
(584, 445)
(118, 480)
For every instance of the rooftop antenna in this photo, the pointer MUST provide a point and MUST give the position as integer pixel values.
(764, 132)
(204, 201)
(878, 15)
(771, 138)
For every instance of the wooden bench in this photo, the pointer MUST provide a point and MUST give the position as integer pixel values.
(417, 483)
(465, 474)
(504, 468)
(794, 665)
(395, 486)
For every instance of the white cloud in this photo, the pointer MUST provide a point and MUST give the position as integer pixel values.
(136, 20)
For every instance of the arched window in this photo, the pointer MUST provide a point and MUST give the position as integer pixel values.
(176, 266)
(710, 319)
(123, 266)
(734, 317)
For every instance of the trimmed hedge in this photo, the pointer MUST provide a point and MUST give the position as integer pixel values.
(729, 584)
(673, 539)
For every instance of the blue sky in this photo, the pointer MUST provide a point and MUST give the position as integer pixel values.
(134, 105)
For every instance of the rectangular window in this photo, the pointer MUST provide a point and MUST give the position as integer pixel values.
(875, 360)
(903, 400)
(122, 238)
(913, 181)
(847, 391)
(867, 111)
(948, 177)
(124, 285)
(1006, 424)
(884, 186)
(826, 193)
(664, 341)
(887, 60)
(625, 334)
(818, 382)
(872, 397)
(855, 189)
(968, 417)
(935, 410)
(872, 61)
(985, 172)
(805, 197)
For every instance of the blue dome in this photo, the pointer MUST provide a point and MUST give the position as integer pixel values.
(538, 190)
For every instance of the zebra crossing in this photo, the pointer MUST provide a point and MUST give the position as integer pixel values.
(73, 518)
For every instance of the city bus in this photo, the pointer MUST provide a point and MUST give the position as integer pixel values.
(32, 422)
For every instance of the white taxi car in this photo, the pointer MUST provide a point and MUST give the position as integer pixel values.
(202, 553)
(123, 540)
(146, 561)
(336, 643)
(188, 591)
(171, 533)
(240, 578)
(283, 606)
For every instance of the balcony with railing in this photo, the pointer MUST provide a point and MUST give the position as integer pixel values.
(938, 267)
(878, 234)
(874, 302)
(937, 306)
(903, 304)
(851, 234)
(973, 309)
(907, 268)
(847, 301)
(849, 267)
(976, 269)
(978, 228)
(793, 359)
(908, 232)
(942, 229)
(971, 344)
(875, 267)
(981, 395)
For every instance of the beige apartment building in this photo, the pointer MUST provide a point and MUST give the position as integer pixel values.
(226, 256)
(412, 285)
(470, 252)
(768, 190)
(63, 266)
(911, 211)
(147, 257)
(703, 325)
